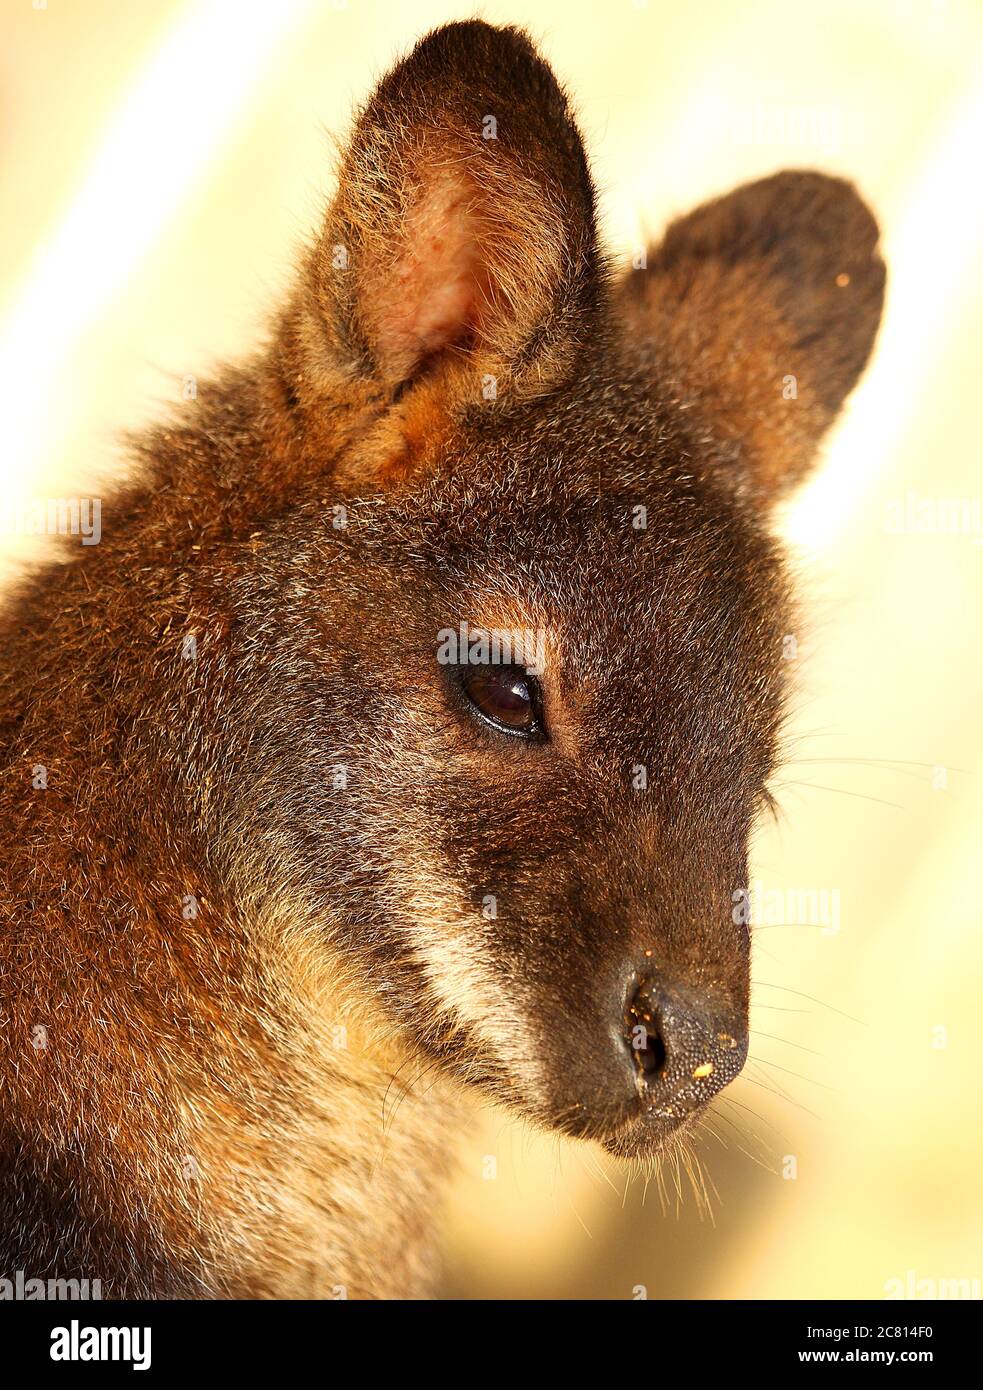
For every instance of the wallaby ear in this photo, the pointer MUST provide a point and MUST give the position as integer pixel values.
(764, 305)
(462, 237)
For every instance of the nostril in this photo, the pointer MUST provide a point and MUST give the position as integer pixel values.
(651, 1058)
(644, 1037)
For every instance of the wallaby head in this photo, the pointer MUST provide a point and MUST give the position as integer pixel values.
(540, 642)
(487, 617)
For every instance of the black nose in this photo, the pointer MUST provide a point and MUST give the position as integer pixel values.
(684, 1049)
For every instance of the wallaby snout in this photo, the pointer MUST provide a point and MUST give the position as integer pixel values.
(631, 1075)
(685, 1051)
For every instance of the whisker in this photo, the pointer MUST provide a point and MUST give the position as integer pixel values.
(893, 763)
(782, 1096)
(725, 1119)
(731, 1100)
(779, 1088)
(769, 926)
(800, 1076)
(766, 984)
(842, 791)
(756, 1032)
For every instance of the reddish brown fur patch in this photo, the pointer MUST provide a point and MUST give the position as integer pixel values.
(781, 279)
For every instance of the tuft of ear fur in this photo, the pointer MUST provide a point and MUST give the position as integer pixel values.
(764, 304)
(462, 239)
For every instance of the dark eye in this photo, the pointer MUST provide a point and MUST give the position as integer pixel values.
(507, 696)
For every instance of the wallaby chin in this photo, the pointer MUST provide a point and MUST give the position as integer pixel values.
(400, 742)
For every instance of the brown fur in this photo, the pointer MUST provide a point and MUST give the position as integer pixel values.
(194, 1124)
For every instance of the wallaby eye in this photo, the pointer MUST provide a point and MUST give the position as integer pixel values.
(507, 696)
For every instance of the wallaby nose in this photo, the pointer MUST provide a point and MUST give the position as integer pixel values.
(684, 1051)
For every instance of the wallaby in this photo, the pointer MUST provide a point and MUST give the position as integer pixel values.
(402, 737)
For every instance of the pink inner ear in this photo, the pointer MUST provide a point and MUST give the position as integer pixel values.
(432, 298)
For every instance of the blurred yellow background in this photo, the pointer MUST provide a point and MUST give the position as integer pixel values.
(159, 165)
